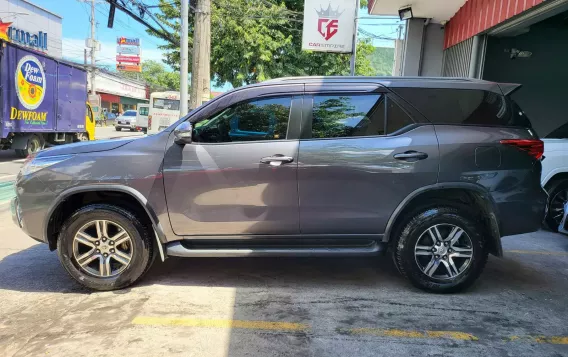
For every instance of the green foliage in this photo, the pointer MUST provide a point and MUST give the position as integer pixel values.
(255, 40)
(158, 78)
(382, 61)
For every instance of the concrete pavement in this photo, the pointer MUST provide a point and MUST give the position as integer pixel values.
(284, 307)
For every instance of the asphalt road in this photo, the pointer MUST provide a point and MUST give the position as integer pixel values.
(284, 307)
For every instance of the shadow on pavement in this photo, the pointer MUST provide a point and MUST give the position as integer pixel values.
(36, 269)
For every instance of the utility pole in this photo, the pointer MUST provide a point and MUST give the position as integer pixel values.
(200, 72)
(354, 53)
(93, 47)
(184, 65)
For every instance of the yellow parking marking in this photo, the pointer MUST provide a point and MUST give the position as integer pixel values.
(192, 322)
(539, 252)
(554, 340)
(454, 335)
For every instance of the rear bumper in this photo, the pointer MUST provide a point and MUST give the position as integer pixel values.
(523, 215)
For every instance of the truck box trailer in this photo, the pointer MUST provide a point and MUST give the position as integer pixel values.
(43, 101)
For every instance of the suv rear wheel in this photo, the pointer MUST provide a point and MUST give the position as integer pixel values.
(104, 247)
(441, 250)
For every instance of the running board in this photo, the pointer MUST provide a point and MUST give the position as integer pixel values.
(176, 249)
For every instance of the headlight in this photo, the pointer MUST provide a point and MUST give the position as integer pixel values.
(34, 164)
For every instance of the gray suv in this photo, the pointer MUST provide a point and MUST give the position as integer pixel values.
(433, 170)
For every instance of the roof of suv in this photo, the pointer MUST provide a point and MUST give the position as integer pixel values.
(398, 82)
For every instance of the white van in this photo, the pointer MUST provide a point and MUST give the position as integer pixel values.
(142, 111)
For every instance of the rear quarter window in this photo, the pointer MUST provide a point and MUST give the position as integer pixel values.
(465, 107)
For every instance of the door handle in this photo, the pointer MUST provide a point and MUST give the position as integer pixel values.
(276, 160)
(411, 156)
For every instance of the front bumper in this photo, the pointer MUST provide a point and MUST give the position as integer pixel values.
(16, 212)
(125, 126)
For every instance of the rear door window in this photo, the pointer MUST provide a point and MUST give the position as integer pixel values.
(465, 106)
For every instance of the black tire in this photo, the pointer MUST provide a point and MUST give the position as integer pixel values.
(142, 252)
(556, 194)
(132, 129)
(118, 129)
(407, 262)
(34, 145)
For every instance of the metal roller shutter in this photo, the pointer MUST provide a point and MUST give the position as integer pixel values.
(457, 59)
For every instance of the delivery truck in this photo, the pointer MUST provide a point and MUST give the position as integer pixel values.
(43, 101)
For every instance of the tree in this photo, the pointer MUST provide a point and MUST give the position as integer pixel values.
(157, 77)
(255, 40)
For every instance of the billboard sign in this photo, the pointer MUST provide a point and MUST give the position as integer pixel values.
(129, 67)
(329, 27)
(128, 41)
(128, 50)
(129, 59)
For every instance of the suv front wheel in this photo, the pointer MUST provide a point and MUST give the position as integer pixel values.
(104, 247)
(441, 250)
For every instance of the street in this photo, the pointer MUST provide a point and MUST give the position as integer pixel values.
(284, 307)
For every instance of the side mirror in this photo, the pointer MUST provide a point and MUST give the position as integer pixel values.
(183, 133)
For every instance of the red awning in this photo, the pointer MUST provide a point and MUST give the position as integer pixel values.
(109, 97)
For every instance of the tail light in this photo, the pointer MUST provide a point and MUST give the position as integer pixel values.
(149, 122)
(534, 147)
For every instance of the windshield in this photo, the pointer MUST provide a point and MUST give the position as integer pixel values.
(169, 104)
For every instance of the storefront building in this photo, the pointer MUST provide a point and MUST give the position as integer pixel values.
(514, 41)
(117, 93)
(32, 26)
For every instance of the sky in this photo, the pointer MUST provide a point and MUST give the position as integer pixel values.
(76, 28)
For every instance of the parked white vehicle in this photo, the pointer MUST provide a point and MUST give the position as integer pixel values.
(126, 120)
(164, 110)
(142, 117)
(555, 174)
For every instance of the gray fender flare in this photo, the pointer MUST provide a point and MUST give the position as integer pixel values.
(157, 227)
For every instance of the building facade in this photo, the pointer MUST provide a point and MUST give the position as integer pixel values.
(32, 26)
(511, 41)
(117, 93)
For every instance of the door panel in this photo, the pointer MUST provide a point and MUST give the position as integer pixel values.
(239, 176)
(225, 189)
(352, 185)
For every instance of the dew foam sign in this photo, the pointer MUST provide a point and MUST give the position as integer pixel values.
(30, 83)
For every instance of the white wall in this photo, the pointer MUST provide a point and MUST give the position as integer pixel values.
(433, 51)
(37, 19)
(107, 83)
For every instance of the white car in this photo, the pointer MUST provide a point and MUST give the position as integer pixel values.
(555, 175)
(126, 120)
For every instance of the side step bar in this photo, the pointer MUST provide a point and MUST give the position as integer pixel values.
(176, 249)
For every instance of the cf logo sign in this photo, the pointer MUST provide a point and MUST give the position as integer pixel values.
(327, 27)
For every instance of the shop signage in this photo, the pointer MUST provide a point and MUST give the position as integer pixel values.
(129, 67)
(327, 27)
(129, 59)
(128, 41)
(37, 40)
(128, 50)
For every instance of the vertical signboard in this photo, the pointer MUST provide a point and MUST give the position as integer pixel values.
(329, 25)
(128, 54)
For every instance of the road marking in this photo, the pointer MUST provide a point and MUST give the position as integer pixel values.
(454, 335)
(539, 252)
(192, 322)
(554, 340)
(3, 177)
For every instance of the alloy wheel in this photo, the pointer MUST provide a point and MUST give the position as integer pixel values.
(557, 204)
(102, 248)
(443, 251)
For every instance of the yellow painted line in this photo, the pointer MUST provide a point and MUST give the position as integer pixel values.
(539, 252)
(192, 322)
(554, 340)
(454, 335)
